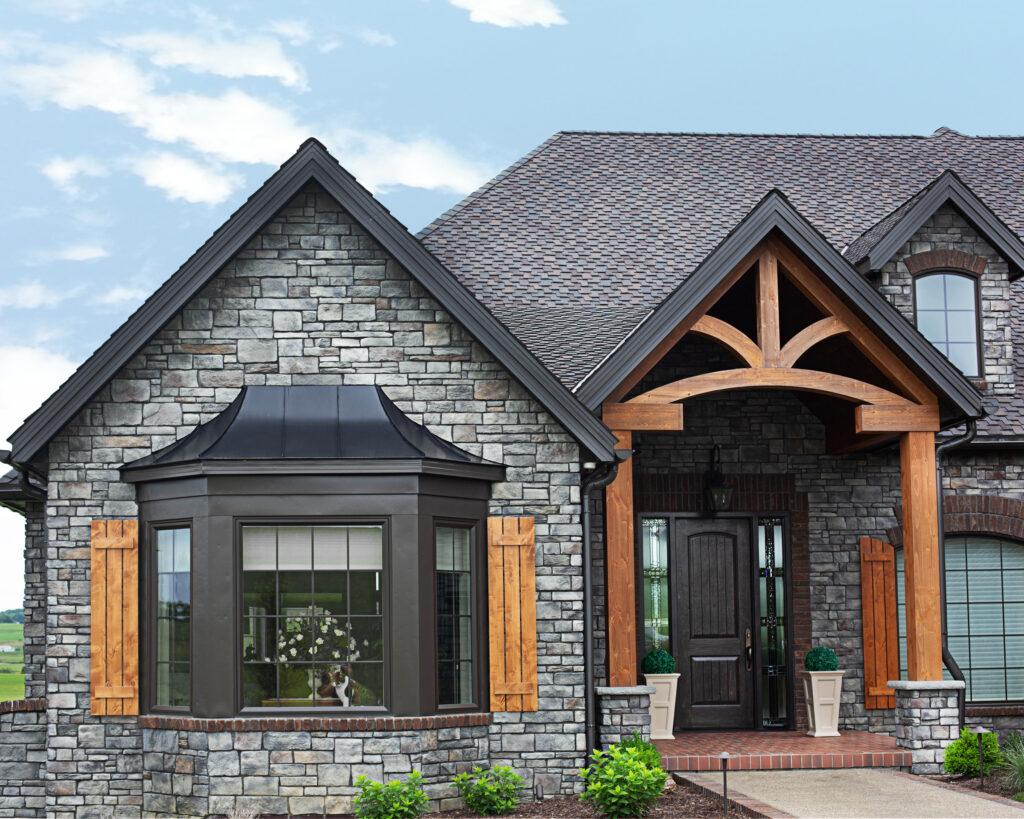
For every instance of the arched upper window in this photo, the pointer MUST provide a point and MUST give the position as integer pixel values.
(984, 614)
(946, 306)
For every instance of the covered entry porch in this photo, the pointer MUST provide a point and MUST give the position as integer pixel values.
(779, 323)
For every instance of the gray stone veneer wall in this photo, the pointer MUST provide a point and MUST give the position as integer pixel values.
(622, 712)
(22, 757)
(311, 300)
(927, 720)
(948, 230)
(300, 770)
(35, 599)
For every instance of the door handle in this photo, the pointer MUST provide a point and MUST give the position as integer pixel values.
(748, 649)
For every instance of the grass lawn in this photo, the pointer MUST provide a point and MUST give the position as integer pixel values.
(12, 669)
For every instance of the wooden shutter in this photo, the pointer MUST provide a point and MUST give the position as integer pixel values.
(114, 681)
(512, 611)
(878, 612)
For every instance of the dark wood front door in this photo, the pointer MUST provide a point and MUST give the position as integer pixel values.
(712, 630)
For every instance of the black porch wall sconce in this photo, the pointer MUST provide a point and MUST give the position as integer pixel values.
(718, 492)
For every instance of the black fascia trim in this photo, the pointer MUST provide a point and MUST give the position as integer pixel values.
(350, 466)
(775, 212)
(950, 188)
(312, 162)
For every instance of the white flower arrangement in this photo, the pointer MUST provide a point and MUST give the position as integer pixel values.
(333, 642)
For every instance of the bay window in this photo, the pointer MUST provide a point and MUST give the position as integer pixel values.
(312, 616)
(173, 559)
(455, 633)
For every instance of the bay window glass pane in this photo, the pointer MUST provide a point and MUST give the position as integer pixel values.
(454, 602)
(654, 542)
(173, 617)
(984, 615)
(311, 614)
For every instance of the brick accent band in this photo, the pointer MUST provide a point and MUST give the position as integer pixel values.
(975, 514)
(13, 706)
(944, 259)
(314, 723)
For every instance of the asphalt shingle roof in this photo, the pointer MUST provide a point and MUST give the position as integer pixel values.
(576, 243)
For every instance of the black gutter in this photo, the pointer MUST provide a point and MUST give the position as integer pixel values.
(602, 475)
(947, 656)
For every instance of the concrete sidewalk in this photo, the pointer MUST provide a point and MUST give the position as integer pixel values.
(863, 792)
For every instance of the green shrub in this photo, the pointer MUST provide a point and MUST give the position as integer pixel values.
(620, 783)
(821, 659)
(396, 799)
(649, 753)
(491, 793)
(658, 661)
(962, 754)
(1012, 766)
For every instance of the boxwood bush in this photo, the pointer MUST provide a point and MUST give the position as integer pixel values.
(493, 792)
(962, 754)
(658, 661)
(821, 658)
(620, 782)
(396, 799)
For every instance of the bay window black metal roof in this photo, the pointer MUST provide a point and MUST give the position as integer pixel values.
(311, 430)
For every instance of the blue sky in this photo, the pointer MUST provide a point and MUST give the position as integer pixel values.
(131, 130)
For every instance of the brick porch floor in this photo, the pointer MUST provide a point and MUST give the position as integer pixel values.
(779, 750)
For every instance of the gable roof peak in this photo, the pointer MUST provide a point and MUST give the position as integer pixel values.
(311, 162)
(879, 243)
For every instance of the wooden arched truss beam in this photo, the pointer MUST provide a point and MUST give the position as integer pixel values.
(771, 365)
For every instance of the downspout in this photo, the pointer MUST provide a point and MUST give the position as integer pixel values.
(947, 657)
(601, 476)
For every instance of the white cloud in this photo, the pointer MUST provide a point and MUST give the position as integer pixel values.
(37, 372)
(64, 173)
(122, 295)
(233, 127)
(79, 253)
(372, 37)
(381, 162)
(293, 32)
(250, 56)
(183, 178)
(70, 11)
(512, 13)
(30, 296)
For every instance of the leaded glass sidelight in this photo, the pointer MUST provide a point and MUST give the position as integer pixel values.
(771, 593)
(173, 617)
(312, 616)
(655, 581)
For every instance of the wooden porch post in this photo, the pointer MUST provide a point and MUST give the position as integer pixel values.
(921, 555)
(619, 565)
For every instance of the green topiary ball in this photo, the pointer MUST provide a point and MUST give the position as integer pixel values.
(658, 661)
(962, 754)
(821, 659)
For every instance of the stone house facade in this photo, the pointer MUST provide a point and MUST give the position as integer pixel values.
(313, 286)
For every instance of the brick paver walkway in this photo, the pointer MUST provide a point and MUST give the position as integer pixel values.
(779, 750)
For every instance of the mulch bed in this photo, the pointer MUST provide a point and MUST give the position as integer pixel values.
(993, 784)
(679, 802)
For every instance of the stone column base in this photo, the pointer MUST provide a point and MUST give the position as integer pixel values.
(623, 711)
(927, 720)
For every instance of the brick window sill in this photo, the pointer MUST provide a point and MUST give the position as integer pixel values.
(995, 710)
(17, 706)
(166, 722)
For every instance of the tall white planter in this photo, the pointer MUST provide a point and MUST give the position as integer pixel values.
(663, 704)
(823, 691)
